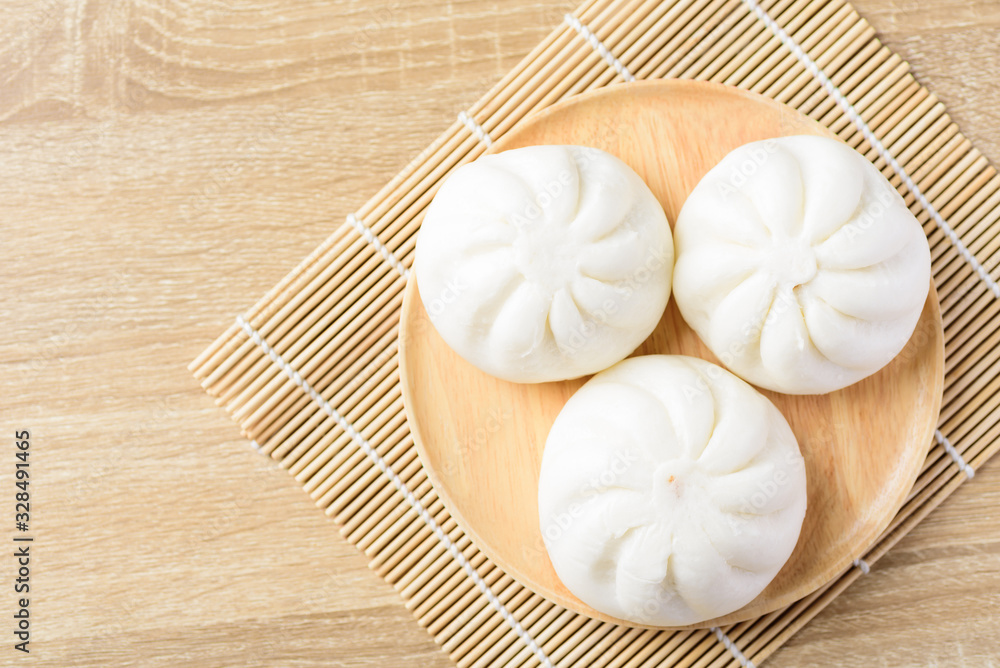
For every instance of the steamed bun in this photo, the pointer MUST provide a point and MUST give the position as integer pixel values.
(671, 492)
(544, 263)
(799, 266)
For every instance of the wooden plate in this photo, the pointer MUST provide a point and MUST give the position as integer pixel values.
(481, 438)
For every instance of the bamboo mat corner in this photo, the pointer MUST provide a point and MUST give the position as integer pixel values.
(311, 371)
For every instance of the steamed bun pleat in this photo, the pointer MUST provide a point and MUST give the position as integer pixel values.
(544, 263)
(670, 492)
(830, 295)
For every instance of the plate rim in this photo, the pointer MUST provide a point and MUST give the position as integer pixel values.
(750, 610)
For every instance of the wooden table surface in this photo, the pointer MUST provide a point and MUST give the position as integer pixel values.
(162, 164)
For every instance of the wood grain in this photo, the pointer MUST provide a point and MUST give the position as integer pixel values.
(863, 445)
(164, 164)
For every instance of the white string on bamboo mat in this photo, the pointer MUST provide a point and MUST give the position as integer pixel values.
(848, 108)
(731, 646)
(369, 235)
(873, 141)
(475, 128)
(954, 454)
(598, 46)
(412, 500)
(863, 566)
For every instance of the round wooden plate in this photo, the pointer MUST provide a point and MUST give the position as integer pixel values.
(481, 438)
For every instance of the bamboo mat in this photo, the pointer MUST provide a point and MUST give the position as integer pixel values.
(310, 372)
